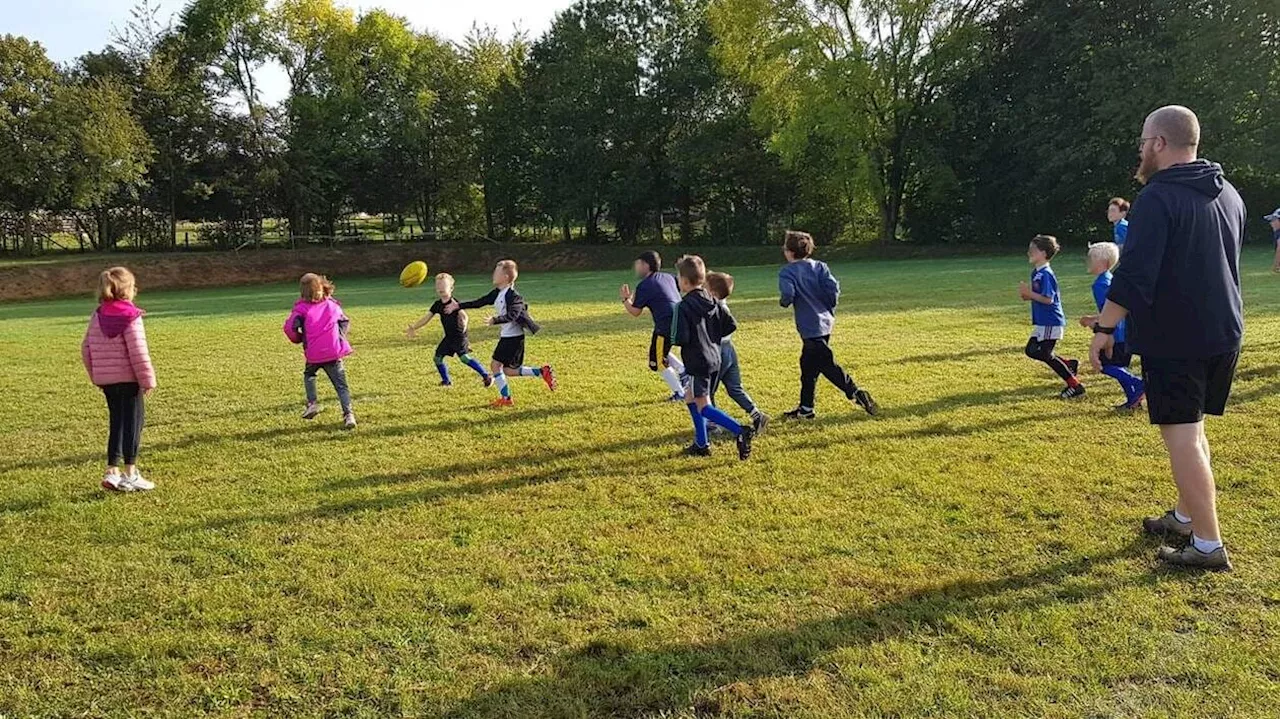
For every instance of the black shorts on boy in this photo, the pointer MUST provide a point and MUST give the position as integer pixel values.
(510, 351)
(450, 347)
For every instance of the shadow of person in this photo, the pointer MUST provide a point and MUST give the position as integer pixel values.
(608, 678)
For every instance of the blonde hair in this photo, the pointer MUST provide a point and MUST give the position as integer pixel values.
(315, 288)
(116, 283)
(1108, 251)
(692, 269)
(446, 278)
(720, 284)
(509, 267)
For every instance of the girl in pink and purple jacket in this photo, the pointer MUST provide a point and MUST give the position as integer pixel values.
(115, 354)
(320, 326)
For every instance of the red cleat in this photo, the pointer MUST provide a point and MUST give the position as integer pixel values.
(503, 402)
(549, 376)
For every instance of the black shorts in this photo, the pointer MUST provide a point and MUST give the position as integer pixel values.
(1183, 391)
(1120, 356)
(659, 361)
(451, 347)
(509, 352)
(698, 386)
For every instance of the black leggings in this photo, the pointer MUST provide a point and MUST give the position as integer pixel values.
(125, 407)
(1042, 350)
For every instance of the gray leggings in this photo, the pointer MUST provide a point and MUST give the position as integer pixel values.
(337, 375)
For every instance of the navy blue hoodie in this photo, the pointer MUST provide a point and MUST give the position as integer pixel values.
(1179, 273)
(700, 322)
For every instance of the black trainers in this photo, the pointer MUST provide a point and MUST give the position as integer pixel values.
(1191, 558)
(1072, 392)
(1166, 525)
(694, 450)
(1073, 365)
(744, 443)
(759, 422)
(800, 413)
(864, 400)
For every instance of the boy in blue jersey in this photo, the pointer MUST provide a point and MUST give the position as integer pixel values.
(1046, 314)
(1103, 257)
(658, 292)
(1118, 214)
(1274, 219)
(809, 287)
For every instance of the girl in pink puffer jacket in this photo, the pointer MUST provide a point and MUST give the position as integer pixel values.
(115, 354)
(320, 326)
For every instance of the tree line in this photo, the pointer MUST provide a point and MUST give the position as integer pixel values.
(635, 121)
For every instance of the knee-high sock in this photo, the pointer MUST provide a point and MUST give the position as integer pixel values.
(712, 413)
(471, 362)
(443, 369)
(1132, 385)
(504, 389)
(530, 371)
(699, 426)
(674, 363)
(672, 378)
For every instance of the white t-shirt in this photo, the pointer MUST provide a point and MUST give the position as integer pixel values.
(509, 329)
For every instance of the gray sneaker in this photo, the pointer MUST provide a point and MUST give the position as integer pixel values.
(1191, 558)
(349, 420)
(1166, 525)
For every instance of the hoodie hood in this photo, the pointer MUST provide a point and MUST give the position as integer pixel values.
(114, 316)
(1202, 176)
(701, 302)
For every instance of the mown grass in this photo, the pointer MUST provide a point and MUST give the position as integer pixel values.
(972, 553)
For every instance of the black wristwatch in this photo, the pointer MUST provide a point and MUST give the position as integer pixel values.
(1100, 330)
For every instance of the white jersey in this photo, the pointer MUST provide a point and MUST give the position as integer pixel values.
(509, 329)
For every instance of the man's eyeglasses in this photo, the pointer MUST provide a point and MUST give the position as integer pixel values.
(1142, 141)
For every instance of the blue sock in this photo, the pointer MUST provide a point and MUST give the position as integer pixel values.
(471, 362)
(699, 426)
(715, 415)
(443, 370)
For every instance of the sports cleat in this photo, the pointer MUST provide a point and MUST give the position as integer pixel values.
(349, 420)
(676, 397)
(744, 443)
(503, 402)
(1189, 557)
(864, 400)
(445, 384)
(759, 422)
(1166, 525)
(1073, 365)
(694, 450)
(488, 381)
(1072, 392)
(549, 376)
(800, 413)
(111, 481)
(1133, 404)
(135, 483)
(313, 409)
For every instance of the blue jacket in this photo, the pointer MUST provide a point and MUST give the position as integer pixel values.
(1179, 273)
(809, 286)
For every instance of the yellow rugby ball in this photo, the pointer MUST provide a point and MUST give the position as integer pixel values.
(414, 274)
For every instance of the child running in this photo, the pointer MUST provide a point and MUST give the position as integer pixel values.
(699, 324)
(1046, 314)
(318, 323)
(511, 313)
(456, 340)
(720, 285)
(809, 286)
(115, 354)
(657, 291)
(1103, 257)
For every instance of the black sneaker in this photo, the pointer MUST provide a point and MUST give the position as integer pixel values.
(744, 443)
(759, 422)
(864, 400)
(1072, 392)
(694, 450)
(445, 384)
(1073, 365)
(800, 413)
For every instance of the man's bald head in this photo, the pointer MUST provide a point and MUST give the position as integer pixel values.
(1178, 126)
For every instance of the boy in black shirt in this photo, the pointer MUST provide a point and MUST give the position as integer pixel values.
(456, 341)
(700, 322)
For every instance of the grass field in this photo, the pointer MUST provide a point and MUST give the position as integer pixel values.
(971, 553)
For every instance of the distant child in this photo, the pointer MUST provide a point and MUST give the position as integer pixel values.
(809, 287)
(115, 354)
(456, 341)
(700, 323)
(1118, 215)
(318, 323)
(511, 313)
(658, 291)
(1046, 314)
(1274, 219)
(720, 285)
(1103, 257)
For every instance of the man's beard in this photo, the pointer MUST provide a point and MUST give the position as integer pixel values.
(1146, 167)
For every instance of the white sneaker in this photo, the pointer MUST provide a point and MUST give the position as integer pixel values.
(349, 420)
(111, 481)
(313, 409)
(135, 483)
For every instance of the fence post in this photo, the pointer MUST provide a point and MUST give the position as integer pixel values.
(186, 240)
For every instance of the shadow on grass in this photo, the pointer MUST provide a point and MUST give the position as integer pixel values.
(947, 357)
(612, 678)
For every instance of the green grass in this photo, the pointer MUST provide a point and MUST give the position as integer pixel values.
(972, 553)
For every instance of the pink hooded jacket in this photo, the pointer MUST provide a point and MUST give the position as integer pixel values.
(114, 349)
(321, 329)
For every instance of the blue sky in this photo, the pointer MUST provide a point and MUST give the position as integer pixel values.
(68, 28)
